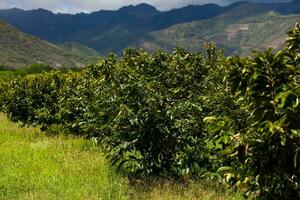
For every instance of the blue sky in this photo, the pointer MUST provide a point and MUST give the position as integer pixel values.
(74, 6)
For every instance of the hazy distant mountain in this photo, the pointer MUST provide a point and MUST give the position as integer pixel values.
(104, 31)
(86, 54)
(18, 49)
(238, 34)
(111, 31)
(270, 1)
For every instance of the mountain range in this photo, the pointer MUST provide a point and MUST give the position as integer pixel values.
(237, 28)
(18, 49)
(239, 33)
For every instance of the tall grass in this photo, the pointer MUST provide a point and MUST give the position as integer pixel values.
(34, 166)
(192, 190)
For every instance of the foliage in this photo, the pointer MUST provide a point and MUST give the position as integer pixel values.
(146, 109)
(265, 153)
(34, 100)
(35, 69)
(180, 114)
(77, 112)
(3, 90)
(7, 74)
(34, 166)
(155, 111)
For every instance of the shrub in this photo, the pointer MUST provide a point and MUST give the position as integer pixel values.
(149, 110)
(34, 100)
(264, 154)
(3, 92)
(180, 113)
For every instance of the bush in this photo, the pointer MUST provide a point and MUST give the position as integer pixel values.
(148, 110)
(34, 100)
(180, 113)
(265, 153)
(3, 92)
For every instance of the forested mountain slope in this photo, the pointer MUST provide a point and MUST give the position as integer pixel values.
(111, 31)
(18, 49)
(236, 32)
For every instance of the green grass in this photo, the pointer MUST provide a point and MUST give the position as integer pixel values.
(29, 71)
(34, 166)
(170, 190)
(6, 74)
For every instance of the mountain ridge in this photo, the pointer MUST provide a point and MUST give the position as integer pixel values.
(18, 49)
(238, 36)
(150, 6)
(111, 31)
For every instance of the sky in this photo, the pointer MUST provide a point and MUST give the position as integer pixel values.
(75, 6)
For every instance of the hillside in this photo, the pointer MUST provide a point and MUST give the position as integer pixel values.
(84, 53)
(105, 31)
(113, 30)
(238, 33)
(18, 49)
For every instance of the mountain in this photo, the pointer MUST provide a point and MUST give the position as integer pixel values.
(292, 7)
(84, 53)
(111, 31)
(270, 1)
(105, 31)
(237, 32)
(18, 49)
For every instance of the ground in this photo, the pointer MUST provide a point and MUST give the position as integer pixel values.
(36, 166)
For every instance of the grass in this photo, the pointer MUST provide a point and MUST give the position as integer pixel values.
(166, 190)
(29, 71)
(6, 74)
(34, 166)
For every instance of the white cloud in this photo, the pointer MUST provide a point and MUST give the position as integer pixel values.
(3, 4)
(73, 6)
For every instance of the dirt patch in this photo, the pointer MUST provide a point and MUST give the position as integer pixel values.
(231, 32)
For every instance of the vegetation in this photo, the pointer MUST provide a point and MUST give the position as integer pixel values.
(18, 49)
(179, 115)
(84, 53)
(7, 73)
(265, 146)
(35, 166)
(238, 34)
(112, 31)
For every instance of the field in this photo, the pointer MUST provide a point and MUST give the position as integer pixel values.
(35, 166)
